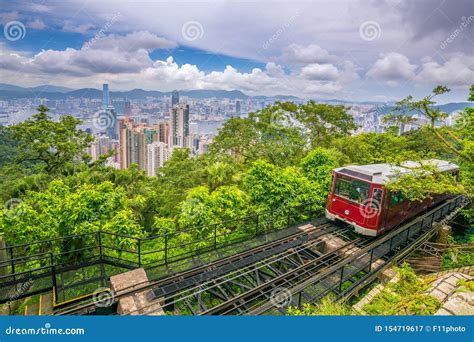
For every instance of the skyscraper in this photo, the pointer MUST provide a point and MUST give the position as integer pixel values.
(157, 153)
(174, 98)
(179, 130)
(237, 107)
(111, 129)
(105, 96)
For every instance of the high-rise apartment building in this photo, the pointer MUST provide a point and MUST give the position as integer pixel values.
(179, 126)
(134, 140)
(174, 98)
(111, 117)
(157, 154)
(105, 96)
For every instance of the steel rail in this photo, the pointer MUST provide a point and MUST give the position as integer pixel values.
(207, 267)
(183, 295)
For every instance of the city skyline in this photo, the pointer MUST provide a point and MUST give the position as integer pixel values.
(352, 50)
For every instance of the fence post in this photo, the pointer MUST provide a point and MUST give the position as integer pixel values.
(12, 262)
(53, 273)
(289, 214)
(139, 253)
(3, 256)
(256, 225)
(166, 248)
(372, 256)
(215, 236)
(341, 280)
(100, 244)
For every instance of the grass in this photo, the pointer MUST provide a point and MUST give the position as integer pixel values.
(405, 297)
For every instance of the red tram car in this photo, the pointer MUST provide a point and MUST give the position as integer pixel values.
(359, 197)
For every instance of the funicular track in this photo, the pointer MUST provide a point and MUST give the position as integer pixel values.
(235, 287)
(246, 282)
(170, 285)
(302, 275)
(355, 272)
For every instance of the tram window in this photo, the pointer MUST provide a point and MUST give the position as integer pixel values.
(376, 198)
(352, 189)
(396, 198)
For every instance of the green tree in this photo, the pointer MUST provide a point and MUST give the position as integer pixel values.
(61, 211)
(271, 187)
(426, 108)
(50, 144)
(323, 122)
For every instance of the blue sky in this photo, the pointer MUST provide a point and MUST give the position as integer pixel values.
(359, 50)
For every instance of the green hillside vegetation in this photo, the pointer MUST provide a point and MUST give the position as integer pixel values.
(278, 157)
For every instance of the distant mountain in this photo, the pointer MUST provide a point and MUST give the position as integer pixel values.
(8, 91)
(51, 89)
(448, 107)
(203, 94)
(33, 90)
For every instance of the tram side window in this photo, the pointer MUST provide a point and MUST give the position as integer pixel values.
(352, 189)
(396, 198)
(376, 198)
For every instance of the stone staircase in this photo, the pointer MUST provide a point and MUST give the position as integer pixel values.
(42, 308)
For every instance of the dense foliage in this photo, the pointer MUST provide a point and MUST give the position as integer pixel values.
(404, 297)
(277, 157)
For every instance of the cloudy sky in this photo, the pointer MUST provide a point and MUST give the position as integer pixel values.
(358, 50)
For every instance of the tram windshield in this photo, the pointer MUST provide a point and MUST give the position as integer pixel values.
(352, 189)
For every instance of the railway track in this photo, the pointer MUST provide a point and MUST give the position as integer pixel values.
(168, 285)
(226, 292)
(244, 283)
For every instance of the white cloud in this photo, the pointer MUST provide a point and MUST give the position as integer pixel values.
(392, 68)
(299, 54)
(456, 71)
(37, 24)
(131, 42)
(69, 26)
(323, 72)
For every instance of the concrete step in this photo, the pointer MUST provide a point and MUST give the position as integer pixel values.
(46, 300)
(32, 309)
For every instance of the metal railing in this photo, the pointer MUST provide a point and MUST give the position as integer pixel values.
(355, 271)
(41, 262)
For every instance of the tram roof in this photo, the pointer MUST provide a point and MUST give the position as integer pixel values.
(384, 173)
